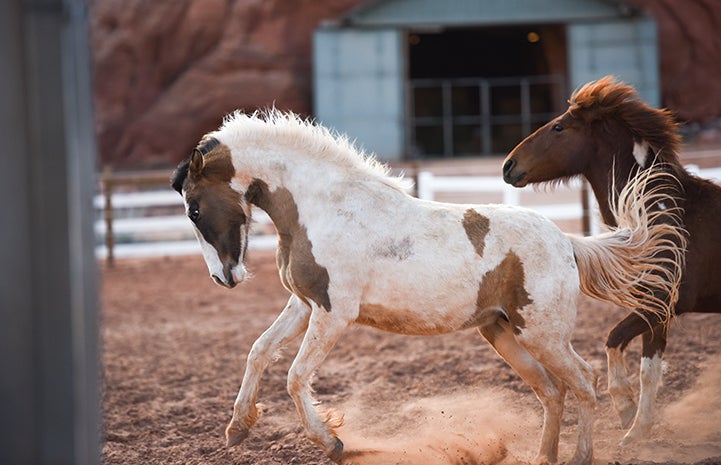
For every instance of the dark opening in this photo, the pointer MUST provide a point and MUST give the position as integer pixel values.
(479, 91)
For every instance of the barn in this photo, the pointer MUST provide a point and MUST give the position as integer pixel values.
(420, 79)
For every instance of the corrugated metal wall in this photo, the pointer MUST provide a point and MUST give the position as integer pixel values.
(626, 48)
(360, 63)
(358, 86)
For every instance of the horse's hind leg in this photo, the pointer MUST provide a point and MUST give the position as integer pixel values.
(654, 344)
(560, 359)
(548, 388)
(619, 386)
(292, 321)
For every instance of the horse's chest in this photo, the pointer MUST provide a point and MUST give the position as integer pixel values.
(302, 275)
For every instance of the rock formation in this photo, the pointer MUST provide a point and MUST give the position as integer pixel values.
(167, 71)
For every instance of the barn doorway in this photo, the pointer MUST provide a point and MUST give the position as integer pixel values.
(479, 91)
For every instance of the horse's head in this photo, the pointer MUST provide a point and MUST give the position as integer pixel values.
(559, 149)
(215, 203)
(606, 125)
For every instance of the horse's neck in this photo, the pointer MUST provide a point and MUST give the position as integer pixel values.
(284, 187)
(598, 177)
(601, 178)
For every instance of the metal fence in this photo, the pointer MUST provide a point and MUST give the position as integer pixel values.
(479, 116)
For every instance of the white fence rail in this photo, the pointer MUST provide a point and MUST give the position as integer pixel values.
(136, 234)
(429, 185)
(142, 235)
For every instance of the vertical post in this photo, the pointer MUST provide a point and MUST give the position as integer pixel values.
(108, 215)
(486, 129)
(447, 109)
(586, 209)
(49, 399)
(525, 107)
(424, 185)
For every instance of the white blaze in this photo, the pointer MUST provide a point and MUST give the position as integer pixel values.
(215, 266)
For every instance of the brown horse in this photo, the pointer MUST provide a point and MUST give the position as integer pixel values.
(608, 135)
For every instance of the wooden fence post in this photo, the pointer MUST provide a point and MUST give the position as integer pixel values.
(108, 214)
(586, 208)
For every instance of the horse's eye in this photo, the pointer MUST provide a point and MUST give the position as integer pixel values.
(557, 127)
(194, 215)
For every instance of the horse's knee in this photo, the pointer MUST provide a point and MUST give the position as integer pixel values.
(616, 340)
(259, 356)
(296, 383)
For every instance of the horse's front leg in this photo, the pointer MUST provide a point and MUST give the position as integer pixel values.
(654, 344)
(292, 321)
(324, 329)
(619, 386)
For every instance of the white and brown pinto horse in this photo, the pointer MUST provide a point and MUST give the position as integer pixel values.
(608, 135)
(354, 247)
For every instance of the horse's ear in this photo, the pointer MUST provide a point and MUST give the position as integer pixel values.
(196, 162)
(179, 175)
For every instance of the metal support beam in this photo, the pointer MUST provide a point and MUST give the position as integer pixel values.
(49, 399)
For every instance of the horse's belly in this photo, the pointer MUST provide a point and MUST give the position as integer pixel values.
(419, 319)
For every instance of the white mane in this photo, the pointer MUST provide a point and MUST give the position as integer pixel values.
(319, 142)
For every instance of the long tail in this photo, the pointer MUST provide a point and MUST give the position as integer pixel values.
(639, 263)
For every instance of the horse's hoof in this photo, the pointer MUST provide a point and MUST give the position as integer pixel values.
(336, 454)
(633, 435)
(235, 434)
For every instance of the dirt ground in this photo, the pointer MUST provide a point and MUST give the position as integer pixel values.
(174, 347)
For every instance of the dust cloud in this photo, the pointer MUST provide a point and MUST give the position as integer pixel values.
(687, 430)
(468, 428)
(488, 427)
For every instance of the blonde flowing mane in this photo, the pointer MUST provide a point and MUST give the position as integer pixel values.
(314, 140)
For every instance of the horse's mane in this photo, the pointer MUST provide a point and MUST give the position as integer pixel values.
(291, 130)
(608, 98)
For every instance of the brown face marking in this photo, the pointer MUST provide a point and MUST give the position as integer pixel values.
(476, 226)
(220, 216)
(299, 271)
(503, 287)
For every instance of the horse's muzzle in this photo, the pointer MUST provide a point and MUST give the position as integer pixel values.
(232, 275)
(230, 283)
(514, 179)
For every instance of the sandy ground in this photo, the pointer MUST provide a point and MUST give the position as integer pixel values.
(174, 347)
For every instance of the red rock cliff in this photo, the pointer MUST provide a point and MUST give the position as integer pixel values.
(167, 71)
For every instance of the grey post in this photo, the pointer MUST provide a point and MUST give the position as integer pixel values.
(49, 363)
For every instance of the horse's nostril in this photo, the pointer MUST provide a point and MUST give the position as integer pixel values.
(508, 166)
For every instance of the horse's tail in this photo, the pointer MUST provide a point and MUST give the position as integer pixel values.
(639, 263)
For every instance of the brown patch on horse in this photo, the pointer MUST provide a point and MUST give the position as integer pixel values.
(502, 288)
(299, 271)
(208, 175)
(398, 321)
(489, 321)
(609, 99)
(476, 226)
